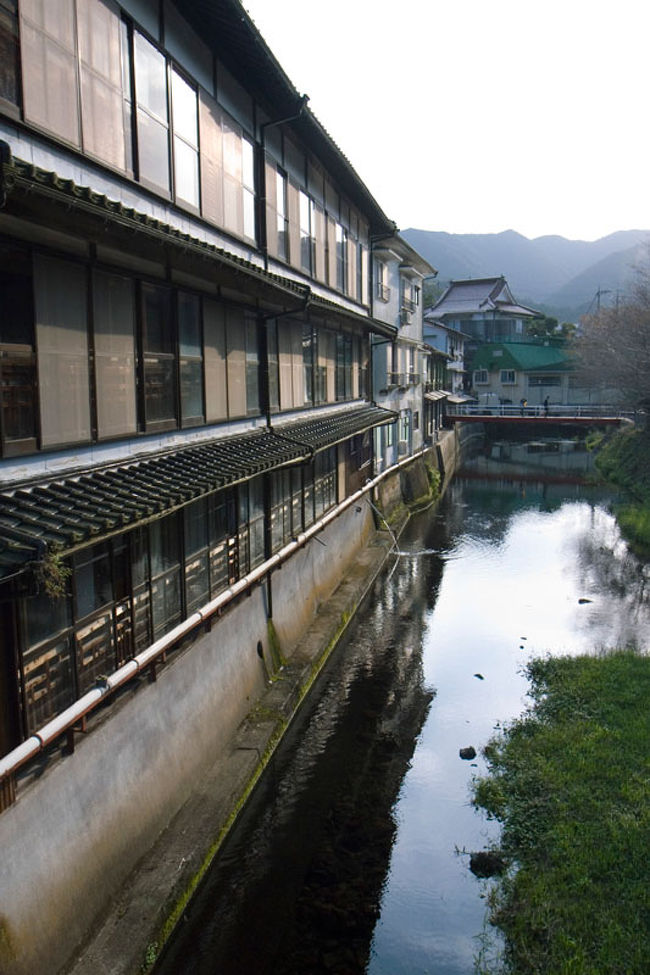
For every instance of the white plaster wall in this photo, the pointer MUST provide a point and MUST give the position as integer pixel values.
(76, 833)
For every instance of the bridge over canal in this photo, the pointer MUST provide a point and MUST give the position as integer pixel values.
(537, 416)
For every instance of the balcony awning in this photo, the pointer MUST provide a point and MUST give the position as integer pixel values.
(459, 398)
(436, 394)
(66, 514)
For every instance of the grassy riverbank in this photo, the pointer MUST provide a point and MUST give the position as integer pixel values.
(624, 460)
(570, 784)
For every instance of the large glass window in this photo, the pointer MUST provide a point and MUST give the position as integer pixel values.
(9, 76)
(62, 342)
(291, 355)
(114, 330)
(248, 188)
(324, 481)
(325, 371)
(47, 663)
(92, 580)
(211, 133)
(252, 367)
(197, 577)
(236, 362)
(273, 365)
(224, 550)
(227, 171)
(343, 366)
(280, 509)
(152, 114)
(256, 521)
(165, 575)
(49, 66)
(318, 230)
(232, 175)
(293, 221)
(186, 141)
(190, 347)
(159, 358)
(17, 358)
(100, 62)
(214, 338)
(341, 257)
(286, 507)
(306, 255)
(281, 216)
(360, 269)
(308, 363)
(364, 367)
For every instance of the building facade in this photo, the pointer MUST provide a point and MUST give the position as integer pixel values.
(185, 329)
(449, 341)
(484, 309)
(398, 362)
(436, 391)
(535, 371)
(186, 326)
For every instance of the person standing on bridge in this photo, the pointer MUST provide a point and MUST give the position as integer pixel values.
(546, 407)
(523, 403)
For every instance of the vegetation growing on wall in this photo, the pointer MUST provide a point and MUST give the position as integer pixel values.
(569, 783)
(52, 574)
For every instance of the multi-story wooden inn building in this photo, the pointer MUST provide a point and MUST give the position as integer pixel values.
(184, 357)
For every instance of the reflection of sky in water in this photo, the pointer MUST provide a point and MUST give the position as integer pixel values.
(510, 589)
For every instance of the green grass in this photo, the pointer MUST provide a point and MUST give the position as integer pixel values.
(634, 522)
(624, 459)
(570, 784)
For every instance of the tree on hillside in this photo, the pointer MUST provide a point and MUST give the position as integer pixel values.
(432, 290)
(613, 348)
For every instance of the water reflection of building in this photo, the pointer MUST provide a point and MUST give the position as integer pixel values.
(324, 820)
(568, 456)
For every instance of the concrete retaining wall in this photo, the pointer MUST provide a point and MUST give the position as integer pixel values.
(448, 450)
(76, 832)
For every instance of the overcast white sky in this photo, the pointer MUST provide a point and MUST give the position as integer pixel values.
(477, 116)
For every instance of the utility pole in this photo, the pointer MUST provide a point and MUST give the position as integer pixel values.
(598, 294)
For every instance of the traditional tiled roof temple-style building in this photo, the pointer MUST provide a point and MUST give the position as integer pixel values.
(484, 309)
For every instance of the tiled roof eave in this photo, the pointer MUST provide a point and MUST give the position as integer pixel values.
(321, 432)
(318, 303)
(72, 513)
(20, 177)
(84, 509)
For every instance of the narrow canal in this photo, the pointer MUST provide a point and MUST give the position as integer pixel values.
(349, 859)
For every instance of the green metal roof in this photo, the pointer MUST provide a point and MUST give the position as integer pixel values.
(524, 356)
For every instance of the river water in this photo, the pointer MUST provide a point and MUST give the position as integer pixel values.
(352, 856)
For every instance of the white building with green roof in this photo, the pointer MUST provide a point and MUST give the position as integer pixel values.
(511, 371)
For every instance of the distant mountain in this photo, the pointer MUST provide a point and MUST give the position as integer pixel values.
(558, 276)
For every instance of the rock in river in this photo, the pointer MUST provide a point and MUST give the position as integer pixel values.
(486, 863)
